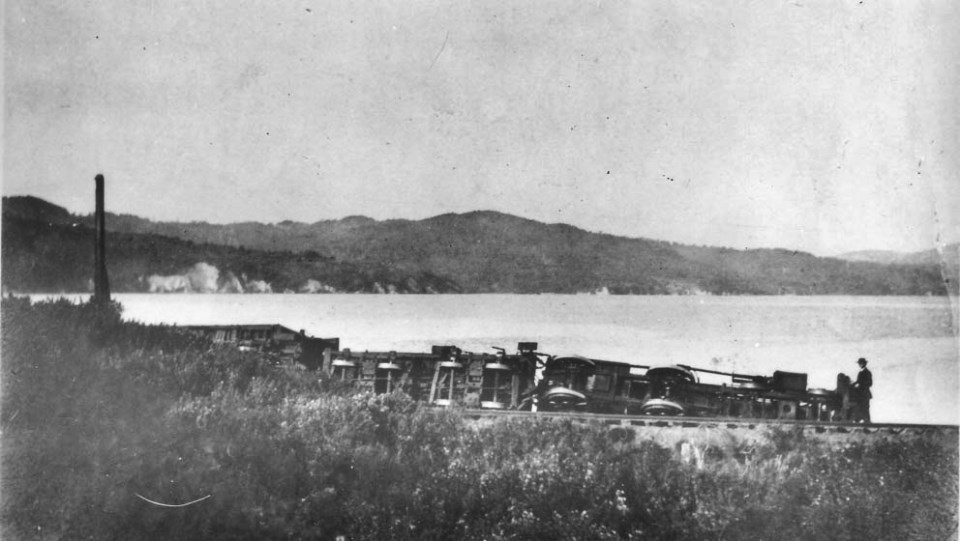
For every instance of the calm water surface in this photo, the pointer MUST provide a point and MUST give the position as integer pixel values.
(910, 341)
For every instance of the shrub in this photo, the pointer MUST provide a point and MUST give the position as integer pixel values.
(99, 413)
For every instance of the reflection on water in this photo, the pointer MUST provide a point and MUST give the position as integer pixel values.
(909, 341)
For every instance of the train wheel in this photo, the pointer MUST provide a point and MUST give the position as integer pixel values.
(563, 399)
(659, 406)
(561, 402)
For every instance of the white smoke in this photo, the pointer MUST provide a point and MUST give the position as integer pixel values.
(203, 278)
(259, 286)
(231, 284)
(311, 286)
(176, 283)
(316, 286)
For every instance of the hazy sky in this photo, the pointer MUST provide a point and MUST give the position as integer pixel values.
(820, 126)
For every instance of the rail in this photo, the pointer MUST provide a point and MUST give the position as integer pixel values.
(721, 422)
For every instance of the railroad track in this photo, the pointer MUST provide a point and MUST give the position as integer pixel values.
(722, 423)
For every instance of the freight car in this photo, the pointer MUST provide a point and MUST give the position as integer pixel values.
(529, 380)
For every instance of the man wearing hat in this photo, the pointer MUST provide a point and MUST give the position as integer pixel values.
(861, 394)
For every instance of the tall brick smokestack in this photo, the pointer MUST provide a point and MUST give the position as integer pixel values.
(101, 285)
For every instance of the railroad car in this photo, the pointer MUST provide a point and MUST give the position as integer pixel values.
(528, 380)
(574, 383)
(445, 376)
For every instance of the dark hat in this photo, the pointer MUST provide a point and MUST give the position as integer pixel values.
(861, 360)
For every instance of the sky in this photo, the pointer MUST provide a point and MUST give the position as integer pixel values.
(825, 127)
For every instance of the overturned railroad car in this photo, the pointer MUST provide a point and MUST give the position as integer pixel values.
(445, 376)
(528, 380)
(575, 383)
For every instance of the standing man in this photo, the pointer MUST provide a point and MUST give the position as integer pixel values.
(861, 392)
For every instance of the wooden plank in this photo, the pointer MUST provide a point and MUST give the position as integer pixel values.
(433, 386)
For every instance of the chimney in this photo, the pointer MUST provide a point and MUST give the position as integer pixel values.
(101, 285)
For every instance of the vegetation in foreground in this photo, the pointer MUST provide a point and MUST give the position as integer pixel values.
(100, 415)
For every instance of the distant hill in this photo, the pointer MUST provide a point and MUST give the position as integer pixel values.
(884, 257)
(475, 252)
(52, 251)
(35, 209)
(947, 256)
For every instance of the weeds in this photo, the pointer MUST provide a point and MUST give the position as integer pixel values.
(97, 411)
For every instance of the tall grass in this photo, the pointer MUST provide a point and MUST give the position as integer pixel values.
(98, 412)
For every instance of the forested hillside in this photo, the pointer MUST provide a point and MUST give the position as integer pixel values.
(47, 248)
(55, 254)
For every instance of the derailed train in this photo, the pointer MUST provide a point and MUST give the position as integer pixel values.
(529, 380)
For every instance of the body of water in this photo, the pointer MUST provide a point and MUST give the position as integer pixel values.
(910, 341)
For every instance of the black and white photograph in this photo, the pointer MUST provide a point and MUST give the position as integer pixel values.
(480, 270)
